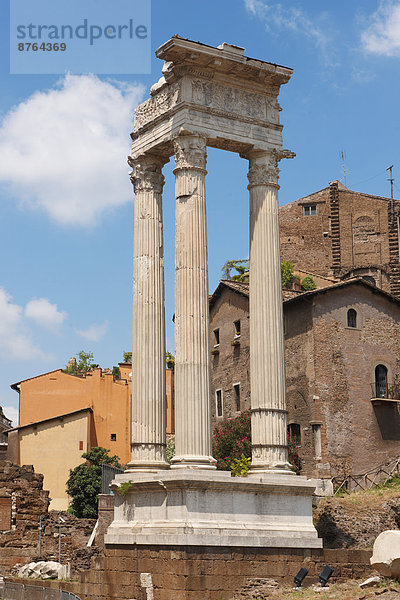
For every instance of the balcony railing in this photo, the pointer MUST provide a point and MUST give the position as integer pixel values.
(385, 391)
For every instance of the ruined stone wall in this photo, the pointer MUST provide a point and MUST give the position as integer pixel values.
(230, 364)
(22, 502)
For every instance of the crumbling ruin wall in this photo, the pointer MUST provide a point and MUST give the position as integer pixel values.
(22, 502)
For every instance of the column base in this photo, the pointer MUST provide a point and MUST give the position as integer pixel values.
(197, 508)
(271, 470)
(146, 466)
(194, 462)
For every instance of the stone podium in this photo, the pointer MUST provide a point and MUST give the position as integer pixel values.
(207, 97)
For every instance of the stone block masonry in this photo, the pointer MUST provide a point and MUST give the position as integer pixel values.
(204, 573)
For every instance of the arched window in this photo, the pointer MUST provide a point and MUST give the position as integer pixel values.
(381, 381)
(294, 433)
(351, 318)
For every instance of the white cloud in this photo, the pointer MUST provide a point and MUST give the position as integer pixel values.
(44, 313)
(64, 150)
(15, 339)
(277, 16)
(11, 412)
(382, 36)
(95, 332)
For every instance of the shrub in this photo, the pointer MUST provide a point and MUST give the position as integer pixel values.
(240, 466)
(287, 271)
(308, 284)
(231, 440)
(232, 445)
(84, 482)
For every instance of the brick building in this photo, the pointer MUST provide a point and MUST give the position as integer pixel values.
(341, 233)
(342, 358)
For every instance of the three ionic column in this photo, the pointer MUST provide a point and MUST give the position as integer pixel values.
(267, 357)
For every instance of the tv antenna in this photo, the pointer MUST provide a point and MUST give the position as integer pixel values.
(390, 169)
(342, 155)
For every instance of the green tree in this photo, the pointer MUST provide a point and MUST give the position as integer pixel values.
(116, 371)
(83, 365)
(240, 265)
(308, 284)
(127, 357)
(170, 360)
(232, 445)
(287, 271)
(84, 482)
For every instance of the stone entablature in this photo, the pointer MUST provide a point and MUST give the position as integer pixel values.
(206, 90)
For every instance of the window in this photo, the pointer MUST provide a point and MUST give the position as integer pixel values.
(381, 381)
(218, 399)
(236, 326)
(81, 445)
(236, 391)
(113, 437)
(309, 210)
(294, 433)
(216, 337)
(352, 318)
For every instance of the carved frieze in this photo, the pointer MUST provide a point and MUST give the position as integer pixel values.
(234, 100)
(157, 105)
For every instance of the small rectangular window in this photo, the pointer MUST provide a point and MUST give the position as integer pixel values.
(80, 445)
(218, 398)
(236, 391)
(236, 326)
(113, 437)
(216, 337)
(309, 210)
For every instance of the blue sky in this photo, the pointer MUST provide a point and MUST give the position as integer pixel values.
(66, 202)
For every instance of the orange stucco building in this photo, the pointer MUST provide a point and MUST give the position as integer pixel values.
(57, 393)
(50, 400)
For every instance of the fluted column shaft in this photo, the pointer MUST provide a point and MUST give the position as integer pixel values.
(267, 361)
(148, 348)
(192, 361)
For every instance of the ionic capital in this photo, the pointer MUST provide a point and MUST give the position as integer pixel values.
(190, 152)
(146, 174)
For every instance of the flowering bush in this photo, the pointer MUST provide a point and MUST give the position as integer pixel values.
(231, 440)
(232, 443)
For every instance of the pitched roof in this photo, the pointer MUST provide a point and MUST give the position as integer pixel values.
(74, 412)
(290, 296)
(14, 386)
(342, 284)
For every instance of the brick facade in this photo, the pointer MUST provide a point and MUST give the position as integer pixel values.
(341, 233)
(330, 371)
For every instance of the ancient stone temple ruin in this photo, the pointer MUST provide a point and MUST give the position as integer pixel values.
(207, 97)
